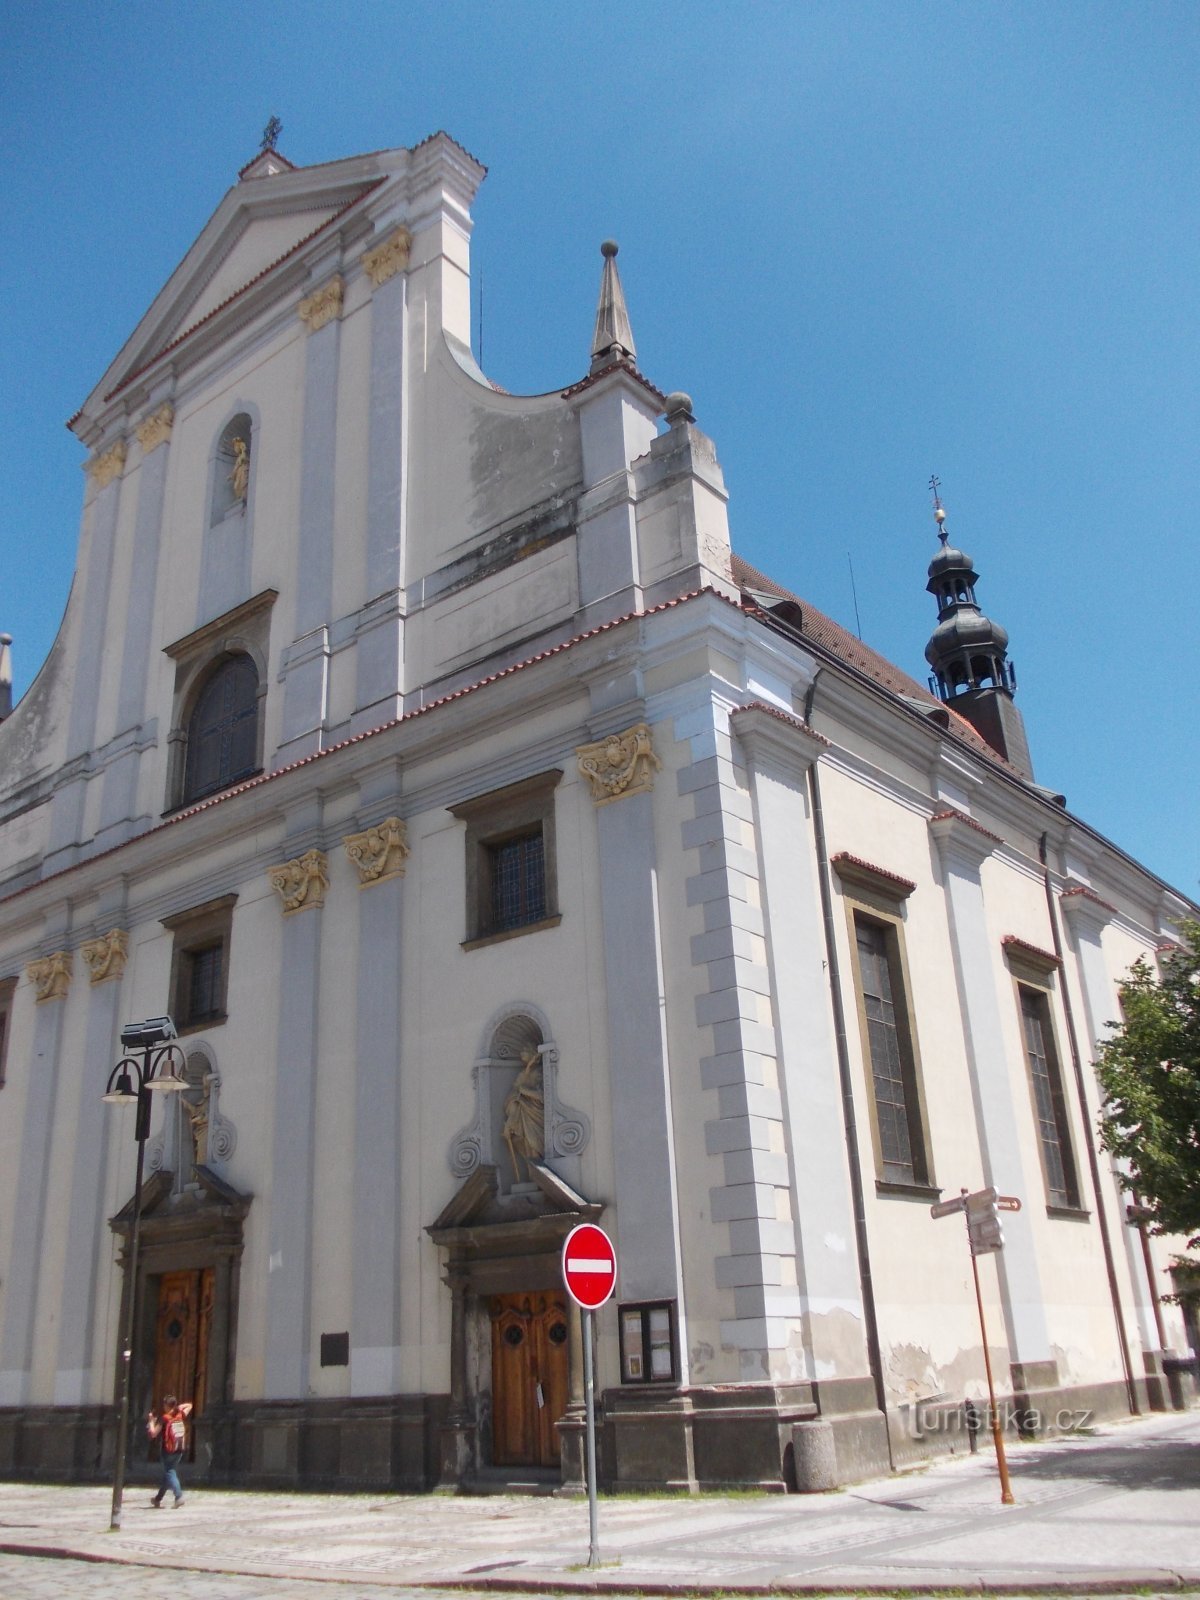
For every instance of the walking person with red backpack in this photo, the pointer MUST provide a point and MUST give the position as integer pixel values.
(170, 1427)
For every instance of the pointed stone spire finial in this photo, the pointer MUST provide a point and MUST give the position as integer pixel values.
(613, 337)
(5, 675)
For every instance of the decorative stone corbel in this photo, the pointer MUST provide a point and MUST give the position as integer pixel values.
(104, 468)
(156, 429)
(51, 976)
(388, 258)
(105, 957)
(379, 852)
(322, 306)
(301, 883)
(623, 764)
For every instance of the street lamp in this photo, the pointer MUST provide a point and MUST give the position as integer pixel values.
(130, 1084)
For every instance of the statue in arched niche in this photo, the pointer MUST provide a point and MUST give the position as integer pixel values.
(525, 1115)
(239, 476)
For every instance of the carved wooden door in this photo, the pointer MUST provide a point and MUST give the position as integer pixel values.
(182, 1324)
(529, 1377)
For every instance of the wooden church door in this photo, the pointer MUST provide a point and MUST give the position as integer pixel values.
(529, 1377)
(181, 1330)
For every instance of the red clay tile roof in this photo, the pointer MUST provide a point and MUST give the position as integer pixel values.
(615, 366)
(1082, 892)
(961, 816)
(783, 716)
(845, 859)
(832, 637)
(1023, 947)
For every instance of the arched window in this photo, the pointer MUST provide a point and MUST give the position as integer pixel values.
(222, 731)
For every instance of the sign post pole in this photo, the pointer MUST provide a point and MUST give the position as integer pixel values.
(1006, 1494)
(589, 1390)
(981, 1213)
(589, 1269)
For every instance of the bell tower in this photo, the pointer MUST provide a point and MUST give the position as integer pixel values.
(969, 652)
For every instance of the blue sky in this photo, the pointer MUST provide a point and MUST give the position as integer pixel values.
(872, 241)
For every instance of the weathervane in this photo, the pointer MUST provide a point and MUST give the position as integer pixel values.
(270, 133)
(939, 511)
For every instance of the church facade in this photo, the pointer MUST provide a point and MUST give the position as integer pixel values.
(509, 853)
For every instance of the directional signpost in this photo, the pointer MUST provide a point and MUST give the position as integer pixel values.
(589, 1268)
(985, 1234)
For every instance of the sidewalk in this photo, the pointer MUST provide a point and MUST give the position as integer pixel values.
(1105, 1513)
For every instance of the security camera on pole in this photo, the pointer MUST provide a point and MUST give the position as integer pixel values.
(589, 1268)
(985, 1234)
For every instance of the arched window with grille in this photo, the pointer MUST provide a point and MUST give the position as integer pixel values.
(222, 731)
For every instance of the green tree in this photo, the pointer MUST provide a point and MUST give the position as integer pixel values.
(1149, 1070)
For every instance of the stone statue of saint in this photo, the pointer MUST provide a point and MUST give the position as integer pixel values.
(239, 477)
(197, 1115)
(525, 1116)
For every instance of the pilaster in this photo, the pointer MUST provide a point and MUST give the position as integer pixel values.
(643, 1135)
(301, 885)
(1008, 1162)
(778, 751)
(379, 854)
(306, 668)
(30, 1197)
(380, 648)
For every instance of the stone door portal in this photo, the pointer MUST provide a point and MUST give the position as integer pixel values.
(529, 1377)
(181, 1329)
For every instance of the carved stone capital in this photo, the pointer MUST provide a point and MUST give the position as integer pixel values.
(388, 258)
(156, 429)
(379, 852)
(623, 764)
(105, 957)
(51, 976)
(301, 883)
(322, 306)
(104, 468)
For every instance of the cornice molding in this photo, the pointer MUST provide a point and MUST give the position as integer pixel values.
(1020, 954)
(855, 873)
(960, 837)
(1084, 909)
(775, 739)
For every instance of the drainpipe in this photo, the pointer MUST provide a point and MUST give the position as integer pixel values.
(874, 1357)
(1089, 1139)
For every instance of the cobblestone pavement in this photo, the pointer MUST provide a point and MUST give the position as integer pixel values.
(42, 1578)
(1119, 1509)
(39, 1578)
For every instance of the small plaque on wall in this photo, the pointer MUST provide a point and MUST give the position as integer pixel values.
(335, 1349)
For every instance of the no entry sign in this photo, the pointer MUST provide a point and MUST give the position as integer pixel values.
(589, 1266)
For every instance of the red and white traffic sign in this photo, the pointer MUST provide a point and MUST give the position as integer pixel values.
(589, 1266)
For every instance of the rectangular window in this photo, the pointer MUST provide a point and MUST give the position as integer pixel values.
(648, 1343)
(1049, 1102)
(200, 963)
(205, 985)
(518, 874)
(8, 987)
(888, 1046)
(510, 870)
